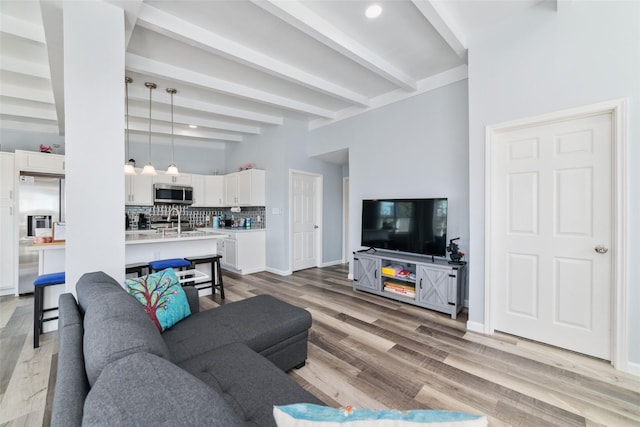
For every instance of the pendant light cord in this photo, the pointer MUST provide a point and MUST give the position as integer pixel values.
(127, 80)
(172, 148)
(149, 151)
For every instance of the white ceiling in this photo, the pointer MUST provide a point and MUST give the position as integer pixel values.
(240, 66)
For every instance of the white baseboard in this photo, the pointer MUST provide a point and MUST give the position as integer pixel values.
(350, 276)
(279, 272)
(633, 368)
(475, 327)
(330, 263)
(7, 291)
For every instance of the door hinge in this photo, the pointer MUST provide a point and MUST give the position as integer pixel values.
(452, 275)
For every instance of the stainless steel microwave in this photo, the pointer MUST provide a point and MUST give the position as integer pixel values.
(172, 194)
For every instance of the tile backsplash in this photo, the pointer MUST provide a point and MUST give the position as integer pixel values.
(198, 216)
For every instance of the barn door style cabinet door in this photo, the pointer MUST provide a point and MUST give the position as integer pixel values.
(366, 273)
(421, 281)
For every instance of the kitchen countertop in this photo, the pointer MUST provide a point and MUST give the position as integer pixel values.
(232, 230)
(137, 237)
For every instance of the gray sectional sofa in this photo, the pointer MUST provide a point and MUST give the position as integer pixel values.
(220, 367)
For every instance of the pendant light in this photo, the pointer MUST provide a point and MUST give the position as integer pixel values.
(148, 168)
(172, 169)
(130, 165)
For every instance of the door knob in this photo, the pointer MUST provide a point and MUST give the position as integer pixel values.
(601, 249)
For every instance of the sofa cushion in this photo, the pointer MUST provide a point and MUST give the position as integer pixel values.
(162, 297)
(250, 384)
(116, 328)
(93, 287)
(72, 385)
(259, 322)
(143, 389)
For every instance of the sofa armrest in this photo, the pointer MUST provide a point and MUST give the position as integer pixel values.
(192, 297)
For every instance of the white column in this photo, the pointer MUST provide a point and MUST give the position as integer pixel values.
(94, 51)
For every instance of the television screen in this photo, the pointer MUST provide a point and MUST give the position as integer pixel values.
(407, 225)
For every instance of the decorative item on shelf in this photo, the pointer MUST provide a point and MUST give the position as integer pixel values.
(172, 169)
(45, 148)
(59, 232)
(455, 255)
(130, 165)
(245, 167)
(148, 168)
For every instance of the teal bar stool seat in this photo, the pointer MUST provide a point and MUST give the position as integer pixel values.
(161, 264)
(40, 284)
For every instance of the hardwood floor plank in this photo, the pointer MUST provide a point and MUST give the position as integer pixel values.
(372, 352)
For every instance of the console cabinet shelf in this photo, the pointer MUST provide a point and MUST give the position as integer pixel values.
(421, 281)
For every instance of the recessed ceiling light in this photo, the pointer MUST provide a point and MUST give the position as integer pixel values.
(373, 11)
(193, 126)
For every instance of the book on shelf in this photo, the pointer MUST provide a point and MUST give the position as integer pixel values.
(401, 292)
(400, 286)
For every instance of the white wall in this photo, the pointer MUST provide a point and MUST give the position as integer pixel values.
(545, 61)
(413, 148)
(204, 159)
(277, 150)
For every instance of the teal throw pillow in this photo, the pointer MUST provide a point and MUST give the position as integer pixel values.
(162, 296)
(310, 415)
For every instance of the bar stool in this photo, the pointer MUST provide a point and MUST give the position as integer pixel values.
(39, 284)
(216, 272)
(161, 264)
(139, 268)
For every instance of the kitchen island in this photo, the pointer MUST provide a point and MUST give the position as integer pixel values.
(141, 246)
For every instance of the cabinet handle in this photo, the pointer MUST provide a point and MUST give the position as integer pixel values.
(421, 283)
(10, 210)
(375, 274)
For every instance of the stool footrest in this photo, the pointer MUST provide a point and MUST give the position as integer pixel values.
(191, 276)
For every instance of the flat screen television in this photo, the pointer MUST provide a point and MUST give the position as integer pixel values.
(417, 226)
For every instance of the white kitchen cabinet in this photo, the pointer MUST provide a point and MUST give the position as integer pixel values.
(243, 252)
(163, 178)
(33, 161)
(199, 190)
(138, 189)
(214, 190)
(245, 188)
(8, 245)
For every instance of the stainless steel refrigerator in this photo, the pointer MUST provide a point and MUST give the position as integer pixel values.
(40, 203)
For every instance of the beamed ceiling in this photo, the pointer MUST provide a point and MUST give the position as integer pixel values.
(240, 66)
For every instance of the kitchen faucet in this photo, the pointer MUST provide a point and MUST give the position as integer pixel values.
(175, 208)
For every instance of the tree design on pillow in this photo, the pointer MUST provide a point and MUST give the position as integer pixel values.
(154, 292)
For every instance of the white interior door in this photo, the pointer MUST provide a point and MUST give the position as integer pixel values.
(551, 210)
(304, 220)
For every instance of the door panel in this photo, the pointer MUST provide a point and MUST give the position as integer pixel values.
(551, 206)
(304, 221)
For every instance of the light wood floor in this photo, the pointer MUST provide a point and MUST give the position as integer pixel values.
(368, 351)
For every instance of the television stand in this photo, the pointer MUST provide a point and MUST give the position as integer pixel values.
(418, 280)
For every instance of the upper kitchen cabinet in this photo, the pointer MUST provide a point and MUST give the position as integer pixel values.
(138, 189)
(8, 245)
(245, 188)
(182, 179)
(32, 161)
(7, 177)
(214, 190)
(199, 191)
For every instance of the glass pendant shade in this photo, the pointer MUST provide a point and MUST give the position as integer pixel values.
(149, 169)
(129, 169)
(172, 170)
